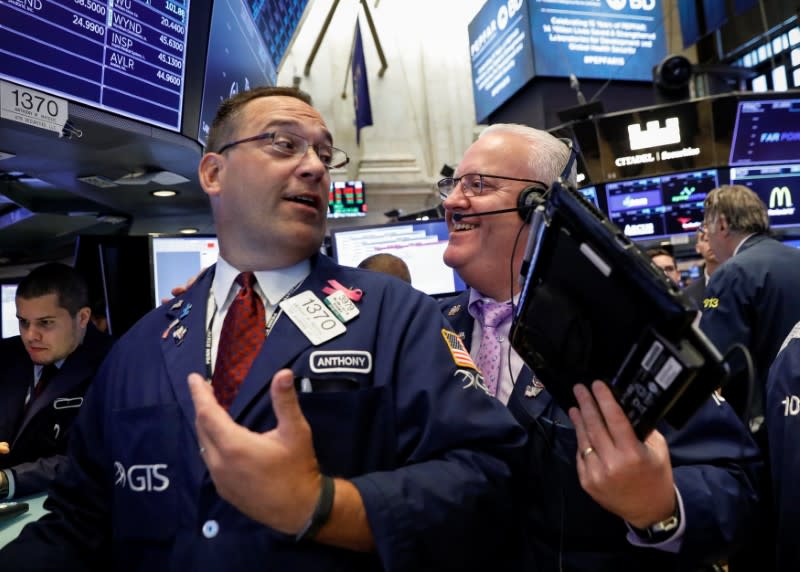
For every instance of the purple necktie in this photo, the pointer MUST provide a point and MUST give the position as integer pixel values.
(240, 340)
(490, 315)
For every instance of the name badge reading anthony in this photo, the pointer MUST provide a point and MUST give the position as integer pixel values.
(313, 318)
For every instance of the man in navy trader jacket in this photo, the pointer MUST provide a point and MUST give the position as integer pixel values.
(35, 418)
(598, 499)
(421, 479)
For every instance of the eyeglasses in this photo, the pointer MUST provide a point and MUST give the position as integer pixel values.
(293, 145)
(474, 184)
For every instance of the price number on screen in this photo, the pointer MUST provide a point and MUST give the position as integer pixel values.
(169, 78)
(91, 5)
(174, 26)
(89, 25)
(171, 42)
(171, 61)
(179, 11)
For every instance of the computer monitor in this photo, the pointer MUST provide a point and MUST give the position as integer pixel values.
(176, 259)
(420, 244)
(766, 131)
(660, 206)
(590, 193)
(347, 199)
(8, 308)
(777, 185)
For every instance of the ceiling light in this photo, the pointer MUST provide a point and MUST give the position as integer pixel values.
(5, 155)
(188, 230)
(164, 193)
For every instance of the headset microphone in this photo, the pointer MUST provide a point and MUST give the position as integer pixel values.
(528, 199)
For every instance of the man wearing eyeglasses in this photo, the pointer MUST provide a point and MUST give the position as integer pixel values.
(598, 499)
(386, 460)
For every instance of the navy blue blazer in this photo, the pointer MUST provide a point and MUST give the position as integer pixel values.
(714, 461)
(753, 299)
(428, 452)
(38, 436)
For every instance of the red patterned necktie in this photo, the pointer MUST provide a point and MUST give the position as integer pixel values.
(240, 340)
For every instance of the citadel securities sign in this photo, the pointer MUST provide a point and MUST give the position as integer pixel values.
(500, 52)
(597, 39)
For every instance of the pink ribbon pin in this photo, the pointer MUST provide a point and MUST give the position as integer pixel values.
(354, 294)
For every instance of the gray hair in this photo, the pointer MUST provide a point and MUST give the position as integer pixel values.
(547, 155)
(744, 211)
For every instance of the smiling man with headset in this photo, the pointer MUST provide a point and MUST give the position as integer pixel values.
(597, 497)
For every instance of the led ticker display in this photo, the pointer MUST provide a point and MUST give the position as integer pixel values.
(347, 199)
(766, 132)
(500, 52)
(777, 185)
(660, 206)
(125, 56)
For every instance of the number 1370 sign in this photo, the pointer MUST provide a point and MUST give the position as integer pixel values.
(35, 108)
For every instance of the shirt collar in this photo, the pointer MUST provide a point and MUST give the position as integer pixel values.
(273, 285)
(37, 368)
(739, 246)
(474, 296)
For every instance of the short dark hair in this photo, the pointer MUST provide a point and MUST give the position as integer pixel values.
(387, 264)
(224, 124)
(59, 279)
(653, 252)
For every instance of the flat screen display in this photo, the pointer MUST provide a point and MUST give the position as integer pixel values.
(609, 39)
(347, 199)
(420, 244)
(777, 185)
(8, 308)
(766, 131)
(500, 52)
(176, 259)
(657, 140)
(124, 56)
(591, 195)
(660, 206)
(246, 45)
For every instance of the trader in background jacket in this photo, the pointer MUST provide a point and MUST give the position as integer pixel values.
(46, 371)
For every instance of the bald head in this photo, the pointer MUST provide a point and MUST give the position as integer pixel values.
(388, 264)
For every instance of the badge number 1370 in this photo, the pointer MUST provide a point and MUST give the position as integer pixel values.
(313, 318)
(32, 107)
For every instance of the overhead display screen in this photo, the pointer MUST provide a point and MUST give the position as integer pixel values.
(778, 186)
(660, 206)
(124, 56)
(597, 39)
(500, 52)
(766, 132)
(247, 42)
(656, 140)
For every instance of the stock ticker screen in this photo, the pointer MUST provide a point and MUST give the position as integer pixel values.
(123, 56)
(766, 131)
(660, 206)
(347, 199)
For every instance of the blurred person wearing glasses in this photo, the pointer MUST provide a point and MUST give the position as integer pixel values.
(311, 435)
(666, 262)
(596, 497)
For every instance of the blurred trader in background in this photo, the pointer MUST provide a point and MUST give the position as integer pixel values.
(385, 461)
(696, 291)
(599, 499)
(753, 298)
(45, 373)
(783, 425)
(666, 262)
(388, 264)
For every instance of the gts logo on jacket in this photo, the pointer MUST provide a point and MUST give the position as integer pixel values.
(139, 478)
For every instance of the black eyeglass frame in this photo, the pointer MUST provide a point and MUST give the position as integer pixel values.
(273, 134)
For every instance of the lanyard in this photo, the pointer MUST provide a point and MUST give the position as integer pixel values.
(270, 324)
